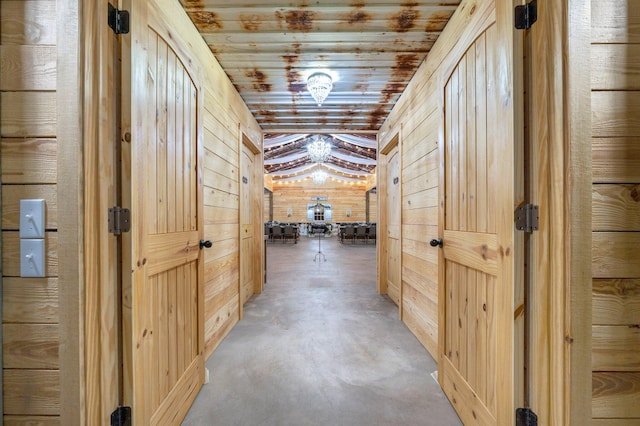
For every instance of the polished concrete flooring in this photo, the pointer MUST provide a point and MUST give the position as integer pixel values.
(320, 347)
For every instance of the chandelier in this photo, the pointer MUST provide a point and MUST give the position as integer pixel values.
(319, 150)
(319, 177)
(319, 85)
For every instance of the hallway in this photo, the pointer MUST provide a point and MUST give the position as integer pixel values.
(321, 347)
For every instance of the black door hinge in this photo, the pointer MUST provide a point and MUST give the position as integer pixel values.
(526, 15)
(118, 20)
(119, 220)
(527, 218)
(121, 417)
(526, 417)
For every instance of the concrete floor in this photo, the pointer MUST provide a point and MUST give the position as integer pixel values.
(321, 347)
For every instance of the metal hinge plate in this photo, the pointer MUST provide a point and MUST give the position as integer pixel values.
(526, 417)
(119, 220)
(121, 417)
(526, 15)
(118, 20)
(527, 218)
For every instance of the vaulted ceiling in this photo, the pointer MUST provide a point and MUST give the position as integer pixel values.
(352, 158)
(371, 49)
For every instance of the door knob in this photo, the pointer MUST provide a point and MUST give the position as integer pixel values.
(205, 244)
(436, 243)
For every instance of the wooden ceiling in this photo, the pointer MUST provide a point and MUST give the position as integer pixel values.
(352, 158)
(269, 48)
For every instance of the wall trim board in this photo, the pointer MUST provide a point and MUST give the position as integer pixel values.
(578, 293)
(70, 226)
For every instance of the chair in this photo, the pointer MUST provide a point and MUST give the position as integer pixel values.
(361, 233)
(289, 235)
(268, 232)
(349, 233)
(372, 232)
(276, 232)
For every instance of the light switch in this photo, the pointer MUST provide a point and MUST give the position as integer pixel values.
(32, 258)
(31, 218)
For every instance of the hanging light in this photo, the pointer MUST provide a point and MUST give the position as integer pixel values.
(319, 85)
(319, 150)
(319, 177)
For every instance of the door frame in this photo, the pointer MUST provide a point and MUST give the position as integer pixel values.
(256, 191)
(382, 246)
(559, 124)
(102, 349)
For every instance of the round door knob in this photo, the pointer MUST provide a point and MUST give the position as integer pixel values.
(436, 242)
(205, 244)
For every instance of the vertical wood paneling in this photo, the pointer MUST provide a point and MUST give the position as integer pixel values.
(162, 158)
(615, 198)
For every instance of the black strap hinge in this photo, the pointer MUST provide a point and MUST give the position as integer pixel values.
(121, 417)
(526, 15)
(119, 220)
(118, 20)
(527, 218)
(526, 417)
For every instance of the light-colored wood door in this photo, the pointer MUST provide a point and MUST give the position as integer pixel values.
(477, 331)
(393, 246)
(248, 253)
(164, 366)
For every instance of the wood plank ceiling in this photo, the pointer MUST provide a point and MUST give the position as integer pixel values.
(370, 48)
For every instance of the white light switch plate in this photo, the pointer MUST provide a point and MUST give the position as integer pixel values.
(32, 258)
(31, 218)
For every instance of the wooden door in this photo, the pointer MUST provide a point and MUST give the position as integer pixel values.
(249, 255)
(164, 319)
(393, 225)
(478, 267)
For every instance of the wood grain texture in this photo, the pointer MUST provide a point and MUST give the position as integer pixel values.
(29, 160)
(30, 300)
(297, 195)
(28, 114)
(615, 202)
(616, 302)
(70, 235)
(616, 395)
(615, 67)
(616, 160)
(616, 207)
(11, 196)
(31, 420)
(615, 22)
(29, 22)
(615, 254)
(615, 422)
(27, 67)
(30, 346)
(615, 348)
(42, 388)
(614, 113)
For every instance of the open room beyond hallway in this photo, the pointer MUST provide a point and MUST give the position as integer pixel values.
(320, 347)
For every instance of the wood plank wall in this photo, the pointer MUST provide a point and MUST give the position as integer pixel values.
(341, 196)
(615, 59)
(226, 119)
(30, 316)
(418, 118)
(419, 179)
